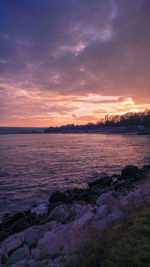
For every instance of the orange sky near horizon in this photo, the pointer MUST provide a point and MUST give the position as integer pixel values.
(73, 61)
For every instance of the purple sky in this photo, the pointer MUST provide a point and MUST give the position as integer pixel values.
(72, 61)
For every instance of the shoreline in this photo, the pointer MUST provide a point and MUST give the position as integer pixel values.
(106, 201)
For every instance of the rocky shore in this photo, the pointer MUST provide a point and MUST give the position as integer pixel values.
(72, 218)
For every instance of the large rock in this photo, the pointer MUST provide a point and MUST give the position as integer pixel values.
(65, 238)
(107, 199)
(133, 201)
(31, 236)
(60, 214)
(103, 181)
(115, 216)
(57, 197)
(102, 211)
(13, 242)
(19, 255)
(133, 172)
(3, 256)
(83, 221)
(35, 254)
(79, 210)
(21, 263)
(51, 244)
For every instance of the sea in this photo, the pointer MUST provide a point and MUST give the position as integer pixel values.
(32, 166)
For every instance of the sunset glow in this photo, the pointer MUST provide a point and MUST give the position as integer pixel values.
(65, 62)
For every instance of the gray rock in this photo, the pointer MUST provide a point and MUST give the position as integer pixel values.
(19, 255)
(33, 263)
(60, 214)
(124, 205)
(102, 211)
(22, 263)
(115, 217)
(133, 201)
(35, 254)
(83, 221)
(99, 225)
(50, 244)
(31, 236)
(3, 256)
(80, 210)
(13, 242)
(107, 199)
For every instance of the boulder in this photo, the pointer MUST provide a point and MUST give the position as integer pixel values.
(19, 255)
(3, 256)
(102, 211)
(51, 244)
(129, 171)
(60, 214)
(115, 216)
(31, 236)
(22, 263)
(107, 199)
(133, 201)
(133, 172)
(13, 242)
(103, 181)
(83, 221)
(57, 196)
(35, 254)
(99, 225)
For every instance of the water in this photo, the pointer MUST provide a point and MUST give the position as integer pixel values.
(31, 166)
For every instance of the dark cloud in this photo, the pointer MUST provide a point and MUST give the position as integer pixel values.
(75, 48)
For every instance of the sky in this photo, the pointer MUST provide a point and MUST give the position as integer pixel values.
(73, 61)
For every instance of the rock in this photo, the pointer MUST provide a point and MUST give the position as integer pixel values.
(3, 256)
(31, 236)
(22, 263)
(107, 199)
(35, 254)
(79, 210)
(73, 194)
(133, 201)
(60, 214)
(16, 223)
(115, 217)
(115, 177)
(57, 196)
(129, 171)
(13, 242)
(133, 172)
(32, 263)
(19, 225)
(41, 209)
(50, 244)
(6, 217)
(19, 255)
(84, 196)
(99, 225)
(103, 181)
(102, 211)
(124, 205)
(124, 185)
(83, 221)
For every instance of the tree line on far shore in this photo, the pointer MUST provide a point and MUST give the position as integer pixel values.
(126, 120)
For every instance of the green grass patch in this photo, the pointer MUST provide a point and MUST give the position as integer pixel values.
(125, 245)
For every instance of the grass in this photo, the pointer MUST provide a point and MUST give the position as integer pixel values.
(125, 245)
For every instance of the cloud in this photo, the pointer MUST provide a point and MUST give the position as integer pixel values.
(54, 54)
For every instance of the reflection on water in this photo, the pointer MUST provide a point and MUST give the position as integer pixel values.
(31, 166)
